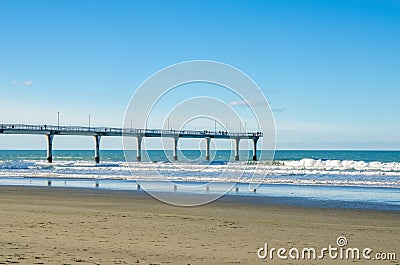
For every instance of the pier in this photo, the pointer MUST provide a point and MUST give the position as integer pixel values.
(50, 131)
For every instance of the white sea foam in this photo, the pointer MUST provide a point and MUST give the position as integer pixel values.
(303, 172)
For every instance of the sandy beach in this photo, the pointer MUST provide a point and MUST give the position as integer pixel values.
(87, 226)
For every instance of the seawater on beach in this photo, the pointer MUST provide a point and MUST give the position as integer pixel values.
(372, 180)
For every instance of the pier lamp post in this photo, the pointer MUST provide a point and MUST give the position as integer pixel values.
(89, 121)
(58, 120)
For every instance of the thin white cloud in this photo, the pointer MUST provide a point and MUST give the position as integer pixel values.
(278, 109)
(25, 83)
(241, 103)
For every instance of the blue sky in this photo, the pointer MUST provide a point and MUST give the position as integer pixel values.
(330, 69)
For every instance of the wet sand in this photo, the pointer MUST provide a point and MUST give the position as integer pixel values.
(88, 226)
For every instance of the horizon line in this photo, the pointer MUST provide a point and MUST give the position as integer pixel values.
(267, 150)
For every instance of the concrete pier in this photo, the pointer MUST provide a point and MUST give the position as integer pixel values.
(139, 148)
(176, 148)
(50, 147)
(97, 148)
(237, 142)
(255, 149)
(208, 139)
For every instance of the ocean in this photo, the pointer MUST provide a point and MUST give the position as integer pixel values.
(351, 179)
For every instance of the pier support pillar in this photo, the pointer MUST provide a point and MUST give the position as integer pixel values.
(50, 147)
(237, 142)
(208, 140)
(97, 148)
(255, 149)
(176, 148)
(139, 148)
